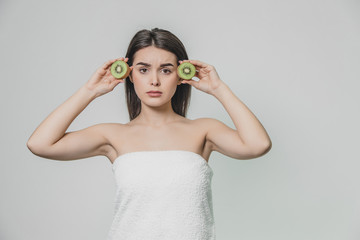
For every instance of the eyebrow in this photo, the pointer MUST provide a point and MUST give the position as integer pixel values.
(148, 65)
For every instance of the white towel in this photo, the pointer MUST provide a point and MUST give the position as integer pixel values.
(162, 195)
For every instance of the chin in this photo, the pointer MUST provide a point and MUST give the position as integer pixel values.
(155, 102)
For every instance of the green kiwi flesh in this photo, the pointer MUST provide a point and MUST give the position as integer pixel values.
(186, 70)
(120, 69)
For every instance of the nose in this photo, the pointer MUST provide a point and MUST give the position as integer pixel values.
(155, 79)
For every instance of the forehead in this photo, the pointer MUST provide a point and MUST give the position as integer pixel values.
(154, 55)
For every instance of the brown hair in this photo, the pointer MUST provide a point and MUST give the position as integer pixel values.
(163, 39)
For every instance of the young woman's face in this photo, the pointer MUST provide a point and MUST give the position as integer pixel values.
(154, 69)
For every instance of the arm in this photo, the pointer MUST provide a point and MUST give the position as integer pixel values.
(250, 139)
(50, 140)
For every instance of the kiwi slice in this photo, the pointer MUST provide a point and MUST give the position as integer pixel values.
(120, 69)
(186, 70)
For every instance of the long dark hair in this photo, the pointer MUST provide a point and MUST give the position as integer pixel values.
(163, 39)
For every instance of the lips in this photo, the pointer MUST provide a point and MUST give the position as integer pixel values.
(154, 92)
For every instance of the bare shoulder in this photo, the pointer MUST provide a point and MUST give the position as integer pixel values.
(221, 137)
(213, 125)
(207, 125)
(110, 131)
(207, 122)
(107, 129)
(109, 126)
(201, 124)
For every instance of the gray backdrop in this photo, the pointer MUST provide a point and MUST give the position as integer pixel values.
(295, 64)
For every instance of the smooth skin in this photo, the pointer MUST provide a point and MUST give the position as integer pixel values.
(157, 127)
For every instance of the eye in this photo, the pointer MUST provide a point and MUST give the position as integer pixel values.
(142, 69)
(167, 71)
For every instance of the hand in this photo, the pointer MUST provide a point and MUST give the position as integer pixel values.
(209, 79)
(102, 81)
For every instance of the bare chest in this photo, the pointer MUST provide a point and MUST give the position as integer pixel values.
(182, 136)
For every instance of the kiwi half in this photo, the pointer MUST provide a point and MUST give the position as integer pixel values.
(186, 70)
(120, 69)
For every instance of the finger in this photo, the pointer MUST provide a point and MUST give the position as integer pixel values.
(116, 82)
(197, 74)
(197, 68)
(190, 82)
(123, 59)
(105, 65)
(108, 63)
(198, 63)
(182, 61)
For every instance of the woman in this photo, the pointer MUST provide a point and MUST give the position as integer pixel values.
(159, 158)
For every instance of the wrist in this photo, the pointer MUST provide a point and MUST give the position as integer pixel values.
(220, 90)
(87, 93)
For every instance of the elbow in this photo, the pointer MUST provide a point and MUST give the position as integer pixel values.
(265, 149)
(36, 149)
(31, 147)
(254, 151)
(262, 149)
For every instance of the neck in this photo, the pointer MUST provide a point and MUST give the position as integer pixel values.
(156, 116)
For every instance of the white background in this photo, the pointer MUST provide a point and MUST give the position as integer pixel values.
(295, 64)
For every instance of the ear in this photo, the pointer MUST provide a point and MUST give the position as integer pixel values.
(131, 80)
(179, 81)
(131, 68)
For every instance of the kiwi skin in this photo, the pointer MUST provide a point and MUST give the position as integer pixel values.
(128, 70)
(192, 71)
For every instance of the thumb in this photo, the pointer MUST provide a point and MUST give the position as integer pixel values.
(115, 83)
(190, 82)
